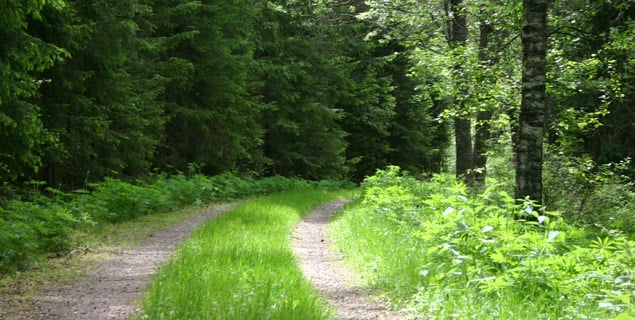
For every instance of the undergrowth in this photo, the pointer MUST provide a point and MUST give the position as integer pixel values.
(39, 225)
(442, 253)
(240, 266)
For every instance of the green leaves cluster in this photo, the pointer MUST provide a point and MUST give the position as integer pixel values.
(448, 253)
(591, 78)
(599, 196)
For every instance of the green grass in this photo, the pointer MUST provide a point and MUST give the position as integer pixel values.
(90, 248)
(442, 253)
(240, 266)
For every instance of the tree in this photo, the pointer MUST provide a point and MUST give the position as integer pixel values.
(417, 139)
(591, 85)
(533, 105)
(208, 58)
(462, 123)
(299, 85)
(461, 42)
(22, 53)
(98, 103)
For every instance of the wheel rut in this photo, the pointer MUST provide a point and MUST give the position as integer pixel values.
(115, 286)
(329, 274)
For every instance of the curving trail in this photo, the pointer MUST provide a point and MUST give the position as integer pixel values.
(116, 285)
(328, 273)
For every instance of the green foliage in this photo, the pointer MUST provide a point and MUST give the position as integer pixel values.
(99, 103)
(594, 195)
(299, 83)
(240, 266)
(40, 225)
(206, 62)
(591, 79)
(435, 248)
(22, 54)
(115, 201)
(29, 230)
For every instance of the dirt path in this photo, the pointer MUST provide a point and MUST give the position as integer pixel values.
(115, 286)
(329, 274)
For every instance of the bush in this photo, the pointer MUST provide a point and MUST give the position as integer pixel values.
(28, 230)
(448, 254)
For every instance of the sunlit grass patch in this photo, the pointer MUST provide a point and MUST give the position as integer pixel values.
(445, 253)
(240, 266)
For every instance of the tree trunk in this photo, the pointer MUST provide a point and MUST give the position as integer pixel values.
(464, 153)
(462, 122)
(533, 104)
(480, 145)
(483, 117)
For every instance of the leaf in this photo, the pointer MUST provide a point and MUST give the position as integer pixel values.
(462, 225)
(624, 316)
(487, 229)
(448, 211)
(622, 279)
(498, 257)
(552, 235)
(625, 298)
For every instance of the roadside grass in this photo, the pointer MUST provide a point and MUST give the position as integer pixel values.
(442, 253)
(90, 248)
(240, 266)
(39, 223)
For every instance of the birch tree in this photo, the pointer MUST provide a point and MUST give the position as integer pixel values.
(533, 103)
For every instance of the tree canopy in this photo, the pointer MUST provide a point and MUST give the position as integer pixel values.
(320, 89)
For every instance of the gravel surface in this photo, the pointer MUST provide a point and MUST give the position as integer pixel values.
(115, 286)
(328, 273)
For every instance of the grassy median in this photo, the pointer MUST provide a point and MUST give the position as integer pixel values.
(240, 266)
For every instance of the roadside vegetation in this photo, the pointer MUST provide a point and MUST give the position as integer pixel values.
(37, 226)
(240, 266)
(446, 252)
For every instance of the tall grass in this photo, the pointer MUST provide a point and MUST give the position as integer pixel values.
(240, 266)
(445, 254)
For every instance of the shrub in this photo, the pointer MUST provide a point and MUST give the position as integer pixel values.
(28, 230)
(448, 254)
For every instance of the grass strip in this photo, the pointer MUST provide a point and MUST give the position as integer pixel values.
(240, 266)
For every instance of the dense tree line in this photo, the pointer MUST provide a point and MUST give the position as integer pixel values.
(91, 89)
(319, 89)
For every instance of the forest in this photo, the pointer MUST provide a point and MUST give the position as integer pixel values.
(166, 99)
(322, 89)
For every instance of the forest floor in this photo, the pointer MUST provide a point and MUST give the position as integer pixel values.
(112, 288)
